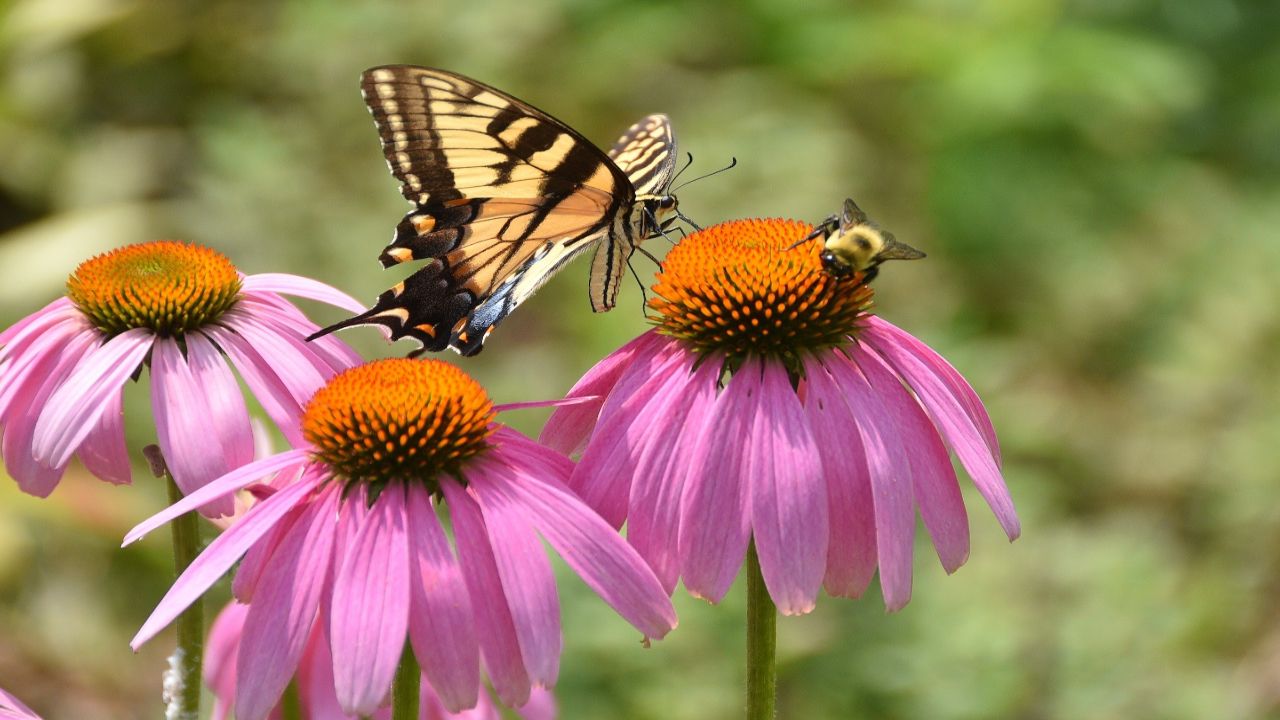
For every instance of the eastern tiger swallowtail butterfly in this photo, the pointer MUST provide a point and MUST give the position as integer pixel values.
(852, 242)
(504, 195)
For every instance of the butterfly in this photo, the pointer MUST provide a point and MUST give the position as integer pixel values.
(853, 242)
(504, 195)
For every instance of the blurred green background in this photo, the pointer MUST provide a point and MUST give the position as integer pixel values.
(1097, 184)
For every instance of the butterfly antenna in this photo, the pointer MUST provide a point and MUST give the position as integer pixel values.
(681, 170)
(703, 177)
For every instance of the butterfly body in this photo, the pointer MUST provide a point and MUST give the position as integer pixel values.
(852, 242)
(504, 196)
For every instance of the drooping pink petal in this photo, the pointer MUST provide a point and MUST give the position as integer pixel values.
(286, 353)
(50, 372)
(882, 333)
(890, 468)
(301, 287)
(788, 496)
(715, 510)
(103, 451)
(34, 347)
(566, 402)
(75, 408)
(192, 452)
(441, 621)
(250, 569)
(933, 478)
(957, 425)
(585, 541)
(851, 553)
(42, 318)
(603, 475)
(219, 556)
(541, 706)
(220, 650)
(499, 646)
(674, 422)
(227, 415)
(278, 315)
(526, 575)
(224, 485)
(276, 398)
(351, 517)
(370, 613)
(539, 460)
(12, 707)
(315, 677)
(284, 609)
(568, 428)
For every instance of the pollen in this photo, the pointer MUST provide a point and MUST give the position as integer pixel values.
(398, 419)
(741, 288)
(169, 287)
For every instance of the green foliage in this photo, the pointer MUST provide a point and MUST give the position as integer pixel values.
(1097, 184)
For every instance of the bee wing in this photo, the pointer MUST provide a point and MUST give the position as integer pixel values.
(852, 215)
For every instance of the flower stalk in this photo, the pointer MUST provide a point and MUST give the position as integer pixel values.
(404, 689)
(182, 686)
(762, 625)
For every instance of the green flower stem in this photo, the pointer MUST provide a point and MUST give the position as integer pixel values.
(291, 705)
(404, 690)
(762, 625)
(185, 665)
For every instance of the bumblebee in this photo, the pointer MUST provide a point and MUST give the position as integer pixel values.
(852, 242)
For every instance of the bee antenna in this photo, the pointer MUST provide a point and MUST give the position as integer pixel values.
(701, 177)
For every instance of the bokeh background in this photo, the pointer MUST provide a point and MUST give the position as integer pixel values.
(1097, 184)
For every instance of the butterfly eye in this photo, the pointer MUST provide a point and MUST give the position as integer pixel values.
(668, 203)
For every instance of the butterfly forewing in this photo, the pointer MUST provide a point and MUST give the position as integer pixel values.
(646, 152)
(504, 195)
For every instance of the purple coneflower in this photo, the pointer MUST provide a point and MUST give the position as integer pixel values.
(314, 680)
(11, 708)
(831, 431)
(356, 540)
(183, 310)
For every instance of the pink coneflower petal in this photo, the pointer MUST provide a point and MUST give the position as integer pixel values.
(272, 393)
(525, 570)
(280, 621)
(27, 406)
(11, 708)
(228, 416)
(788, 497)
(881, 333)
(653, 520)
(104, 452)
(220, 650)
(889, 464)
(278, 315)
(715, 513)
(956, 425)
(934, 481)
(193, 453)
(254, 562)
(585, 541)
(495, 629)
(529, 454)
(42, 318)
(602, 477)
(225, 485)
(288, 357)
(851, 552)
(370, 612)
(219, 556)
(441, 623)
(567, 430)
(566, 402)
(76, 406)
(300, 287)
(33, 365)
